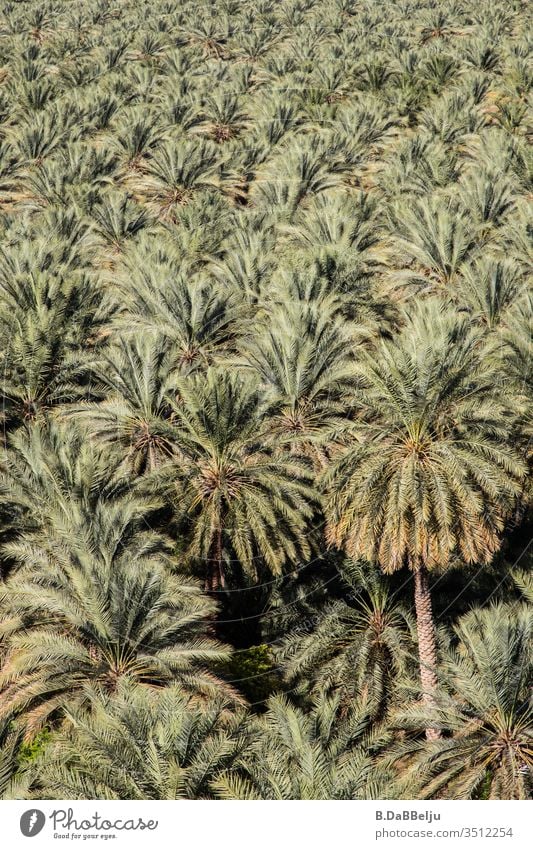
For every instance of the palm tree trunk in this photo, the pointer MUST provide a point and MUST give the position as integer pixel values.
(427, 644)
(214, 579)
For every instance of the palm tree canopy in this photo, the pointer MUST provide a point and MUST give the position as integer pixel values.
(427, 472)
(308, 755)
(142, 744)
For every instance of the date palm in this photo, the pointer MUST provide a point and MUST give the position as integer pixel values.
(313, 754)
(222, 118)
(428, 472)
(53, 476)
(94, 605)
(489, 289)
(242, 492)
(45, 321)
(134, 380)
(485, 709)
(116, 220)
(10, 780)
(142, 744)
(487, 197)
(201, 319)
(245, 245)
(518, 338)
(434, 240)
(359, 645)
(302, 355)
(176, 172)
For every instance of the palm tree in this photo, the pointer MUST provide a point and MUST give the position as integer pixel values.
(489, 288)
(518, 335)
(53, 476)
(419, 166)
(135, 380)
(222, 118)
(141, 134)
(309, 168)
(359, 645)
(257, 259)
(302, 355)
(95, 605)
(314, 754)
(338, 228)
(118, 219)
(142, 744)
(427, 473)
(240, 491)
(12, 779)
(433, 241)
(45, 321)
(201, 318)
(486, 197)
(176, 172)
(485, 710)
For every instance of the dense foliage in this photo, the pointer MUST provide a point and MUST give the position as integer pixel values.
(266, 333)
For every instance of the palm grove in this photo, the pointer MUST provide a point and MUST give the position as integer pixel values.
(266, 400)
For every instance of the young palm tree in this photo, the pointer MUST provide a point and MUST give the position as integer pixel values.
(308, 167)
(303, 356)
(135, 380)
(142, 744)
(314, 754)
(488, 290)
(95, 605)
(486, 713)
(434, 241)
(336, 227)
(222, 118)
(117, 220)
(486, 197)
(427, 473)
(358, 646)
(176, 172)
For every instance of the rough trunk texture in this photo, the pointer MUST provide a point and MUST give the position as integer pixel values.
(427, 643)
(214, 581)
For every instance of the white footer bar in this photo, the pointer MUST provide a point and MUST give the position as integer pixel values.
(278, 825)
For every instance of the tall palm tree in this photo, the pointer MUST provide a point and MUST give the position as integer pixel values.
(239, 489)
(141, 744)
(427, 473)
